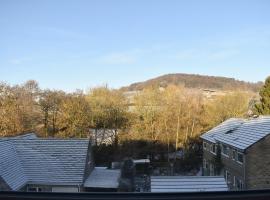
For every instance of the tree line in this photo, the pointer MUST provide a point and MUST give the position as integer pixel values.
(171, 115)
(52, 113)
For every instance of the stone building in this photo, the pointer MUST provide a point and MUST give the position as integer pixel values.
(32, 164)
(239, 149)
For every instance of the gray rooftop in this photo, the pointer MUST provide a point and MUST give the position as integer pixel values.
(42, 161)
(26, 136)
(103, 178)
(10, 166)
(188, 184)
(239, 133)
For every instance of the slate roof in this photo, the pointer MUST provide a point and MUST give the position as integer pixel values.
(42, 161)
(188, 184)
(10, 166)
(240, 133)
(103, 178)
(25, 136)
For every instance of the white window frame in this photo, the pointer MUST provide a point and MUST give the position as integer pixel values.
(213, 152)
(34, 187)
(241, 183)
(227, 173)
(204, 145)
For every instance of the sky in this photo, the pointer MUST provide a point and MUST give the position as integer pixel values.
(67, 44)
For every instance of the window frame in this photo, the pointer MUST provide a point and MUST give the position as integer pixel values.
(215, 148)
(34, 189)
(238, 182)
(204, 145)
(234, 154)
(228, 150)
(206, 165)
(212, 169)
(227, 176)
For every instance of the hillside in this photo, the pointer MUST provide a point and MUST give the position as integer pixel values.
(195, 81)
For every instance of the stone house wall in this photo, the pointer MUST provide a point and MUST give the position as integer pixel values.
(258, 165)
(234, 168)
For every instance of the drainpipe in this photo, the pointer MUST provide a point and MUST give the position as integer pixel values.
(244, 168)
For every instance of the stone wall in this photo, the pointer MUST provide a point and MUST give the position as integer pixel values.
(234, 168)
(3, 185)
(89, 164)
(258, 165)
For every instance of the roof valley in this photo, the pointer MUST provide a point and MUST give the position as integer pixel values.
(239, 133)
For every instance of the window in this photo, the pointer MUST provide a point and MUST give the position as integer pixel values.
(213, 149)
(240, 157)
(204, 145)
(212, 170)
(227, 177)
(234, 154)
(238, 184)
(34, 189)
(204, 163)
(225, 150)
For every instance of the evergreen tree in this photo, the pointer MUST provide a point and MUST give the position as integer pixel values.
(263, 107)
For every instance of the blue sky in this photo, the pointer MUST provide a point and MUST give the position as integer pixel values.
(68, 44)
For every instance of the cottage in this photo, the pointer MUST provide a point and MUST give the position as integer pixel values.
(48, 165)
(28, 163)
(239, 149)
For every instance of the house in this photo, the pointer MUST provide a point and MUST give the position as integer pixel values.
(188, 184)
(239, 149)
(28, 163)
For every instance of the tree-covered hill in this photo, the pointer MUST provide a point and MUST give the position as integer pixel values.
(196, 81)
